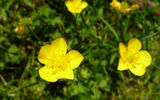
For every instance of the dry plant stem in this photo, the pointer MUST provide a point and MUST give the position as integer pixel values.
(147, 3)
(3, 80)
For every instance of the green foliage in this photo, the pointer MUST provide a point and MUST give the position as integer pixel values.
(96, 33)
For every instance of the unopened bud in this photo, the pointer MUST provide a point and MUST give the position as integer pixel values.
(19, 30)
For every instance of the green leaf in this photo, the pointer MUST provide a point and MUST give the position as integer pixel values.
(56, 20)
(13, 49)
(29, 3)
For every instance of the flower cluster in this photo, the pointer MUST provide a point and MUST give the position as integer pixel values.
(58, 64)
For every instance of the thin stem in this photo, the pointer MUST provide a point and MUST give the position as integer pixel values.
(36, 36)
(3, 80)
(111, 28)
(84, 21)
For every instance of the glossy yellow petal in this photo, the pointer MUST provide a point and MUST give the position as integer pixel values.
(122, 50)
(83, 5)
(122, 65)
(116, 4)
(138, 69)
(75, 58)
(46, 73)
(124, 10)
(45, 54)
(143, 57)
(66, 74)
(70, 6)
(134, 45)
(52, 75)
(48, 52)
(77, 2)
(59, 46)
(135, 6)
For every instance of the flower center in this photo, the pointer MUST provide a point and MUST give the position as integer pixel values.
(60, 63)
(131, 59)
(124, 5)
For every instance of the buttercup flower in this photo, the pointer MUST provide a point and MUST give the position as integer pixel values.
(132, 58)
(58, 63)
(123, 6)
(76, 6)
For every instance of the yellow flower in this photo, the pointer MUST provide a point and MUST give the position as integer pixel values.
(76, 6)
(123, 6)
(58, 63)
(132, 58)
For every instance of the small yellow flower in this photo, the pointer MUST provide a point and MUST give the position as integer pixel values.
(76, 6)
(132, 58)
(58, 63)
(123, 6)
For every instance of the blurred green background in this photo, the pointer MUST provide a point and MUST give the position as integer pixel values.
(96, 33)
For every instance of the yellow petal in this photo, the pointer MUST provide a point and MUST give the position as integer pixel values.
(143, 57)
(77, 2)
(70, 6)
(47, 74)
(135, 6)
(122, 65)
(122, 50)
(75, 58)
(83, 5)
(48, 52)
(66, 74)
(116, 4)
(52, 75)
(138, 69)
(59, 46)
(134, 45)
(45, 54)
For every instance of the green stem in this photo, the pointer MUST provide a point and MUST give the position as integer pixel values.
(84, 21)
(36, 36)
(111, 29)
